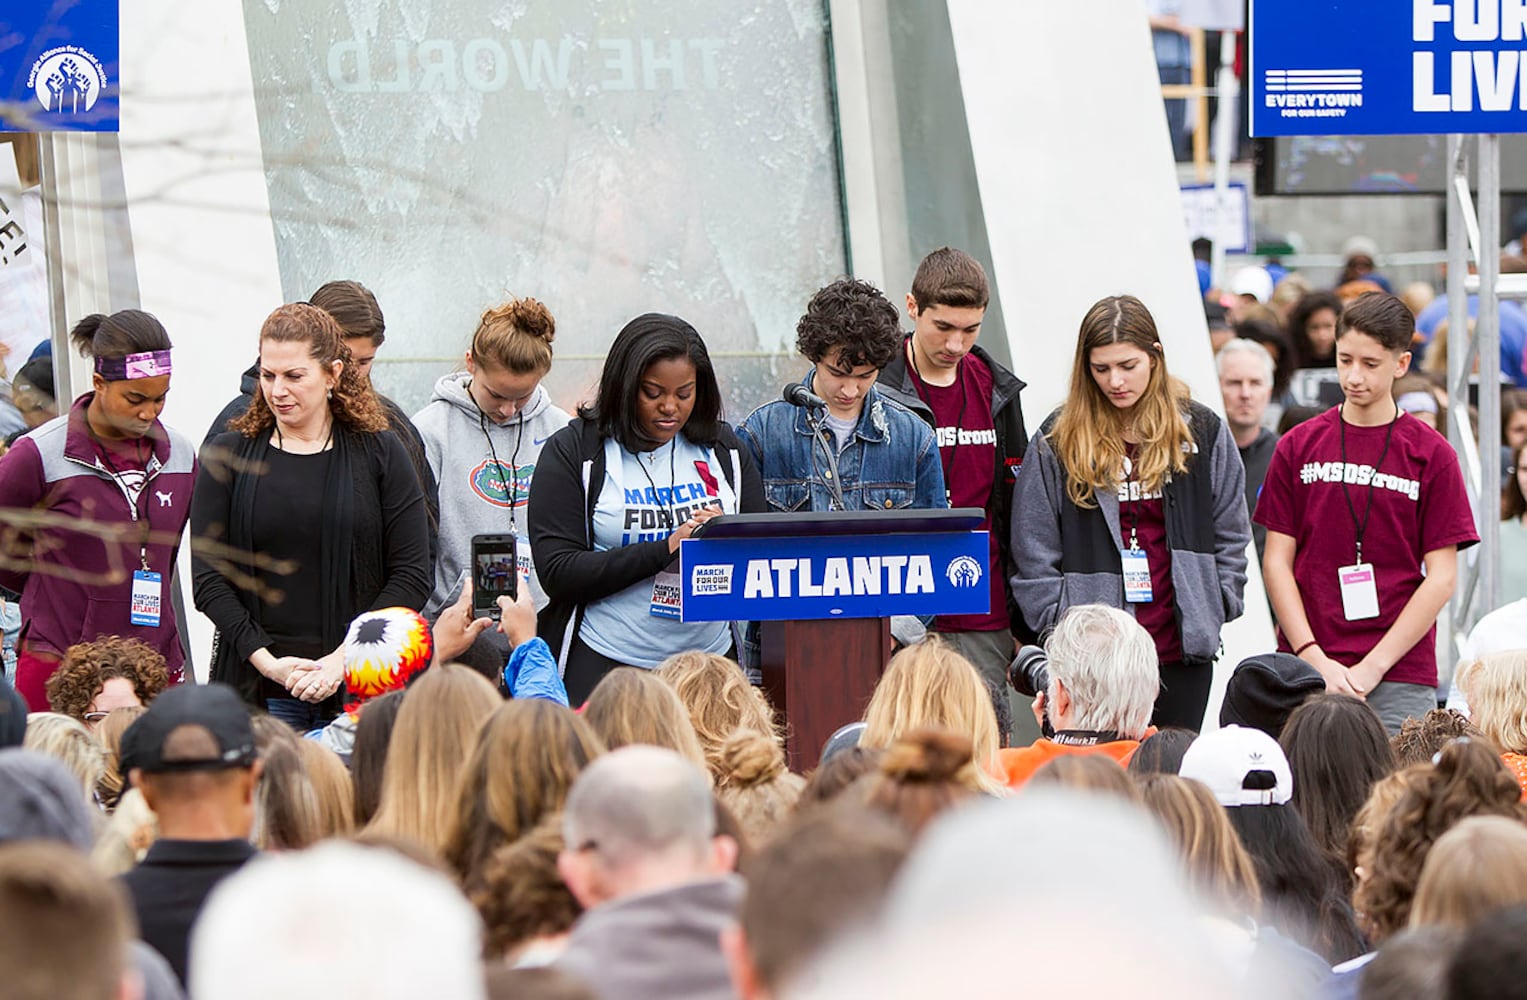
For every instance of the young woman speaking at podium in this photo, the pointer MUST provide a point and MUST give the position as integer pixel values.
(1132, 496)
(618, 489)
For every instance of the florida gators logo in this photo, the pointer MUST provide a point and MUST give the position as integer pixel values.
(492, 483)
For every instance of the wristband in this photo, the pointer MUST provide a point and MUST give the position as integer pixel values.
(1312, 642)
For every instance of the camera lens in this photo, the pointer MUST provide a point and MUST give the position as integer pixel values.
(1029, 673)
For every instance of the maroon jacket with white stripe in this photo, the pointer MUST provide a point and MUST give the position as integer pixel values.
(76, 586)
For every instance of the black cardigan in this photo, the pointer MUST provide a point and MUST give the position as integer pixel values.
(560, 518)
(377, 530)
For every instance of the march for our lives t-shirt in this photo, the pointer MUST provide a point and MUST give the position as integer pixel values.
(1142, 514)
(1419, 505)
(643, 498)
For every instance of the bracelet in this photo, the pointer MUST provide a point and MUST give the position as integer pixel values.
(1312, 642)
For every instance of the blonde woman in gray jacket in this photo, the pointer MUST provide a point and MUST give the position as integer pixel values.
(1132, 495)
(483, 431)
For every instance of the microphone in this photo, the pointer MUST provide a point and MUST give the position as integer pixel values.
(797, 394)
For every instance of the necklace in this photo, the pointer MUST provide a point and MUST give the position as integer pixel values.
(327, 440)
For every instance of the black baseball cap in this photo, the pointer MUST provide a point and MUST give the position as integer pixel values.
(155, 743)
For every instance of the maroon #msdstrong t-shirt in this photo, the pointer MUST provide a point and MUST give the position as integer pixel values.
(1142, 514)
(967, 444)
(1419, 506)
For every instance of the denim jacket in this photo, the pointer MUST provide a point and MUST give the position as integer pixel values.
(890, 463)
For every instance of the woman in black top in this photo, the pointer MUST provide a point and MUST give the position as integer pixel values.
(306, 514)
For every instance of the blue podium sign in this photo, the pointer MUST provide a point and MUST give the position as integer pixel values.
(848, 576)
(1387, 67)
(59, 66)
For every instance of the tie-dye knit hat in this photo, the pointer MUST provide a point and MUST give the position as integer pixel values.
(383, 650)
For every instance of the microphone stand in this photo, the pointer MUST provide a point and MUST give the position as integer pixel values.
(824, 436)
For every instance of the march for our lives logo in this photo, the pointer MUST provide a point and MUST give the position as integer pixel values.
(499, 487)
(67, 80)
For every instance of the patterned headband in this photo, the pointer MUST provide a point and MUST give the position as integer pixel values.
(147, 364)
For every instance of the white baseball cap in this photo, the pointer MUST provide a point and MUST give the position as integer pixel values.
(1503, 630)
(1253, 281)
(1224, 758)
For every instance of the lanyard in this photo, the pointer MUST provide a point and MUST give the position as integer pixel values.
(136, 508)
(511, 485)
(1134, 499)
(673, 481)
(1361, 527)
(922, 393)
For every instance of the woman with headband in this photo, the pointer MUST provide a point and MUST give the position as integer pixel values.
(307, 513)
(92, 506)
(483, 431)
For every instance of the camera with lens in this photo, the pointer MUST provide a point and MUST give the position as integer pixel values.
(1029, 673)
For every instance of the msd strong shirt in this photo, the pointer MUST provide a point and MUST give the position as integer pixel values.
(1418, 506)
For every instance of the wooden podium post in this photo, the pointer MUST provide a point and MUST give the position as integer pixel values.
(820, 675)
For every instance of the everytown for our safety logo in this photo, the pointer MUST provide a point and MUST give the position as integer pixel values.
(1313, 93)
(490, 483)
(67, 80)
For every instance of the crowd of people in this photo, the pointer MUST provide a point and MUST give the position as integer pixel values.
(583, 795)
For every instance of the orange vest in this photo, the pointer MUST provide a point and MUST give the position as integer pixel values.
(1019, 763)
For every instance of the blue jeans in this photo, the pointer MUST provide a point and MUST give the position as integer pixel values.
(302, 716)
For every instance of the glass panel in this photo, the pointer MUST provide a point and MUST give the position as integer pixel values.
(608, 158)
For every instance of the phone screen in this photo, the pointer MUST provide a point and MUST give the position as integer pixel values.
(494, 572)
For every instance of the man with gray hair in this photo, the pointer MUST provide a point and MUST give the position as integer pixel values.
(1246, 381)
(642, 856)
(1103, 682)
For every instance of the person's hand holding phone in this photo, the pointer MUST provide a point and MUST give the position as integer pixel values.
(517, 615)
(458, 626)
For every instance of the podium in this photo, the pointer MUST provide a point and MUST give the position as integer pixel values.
(823, 587)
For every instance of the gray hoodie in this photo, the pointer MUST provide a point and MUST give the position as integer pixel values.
(473, 498)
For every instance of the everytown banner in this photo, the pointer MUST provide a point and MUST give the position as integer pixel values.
(59, 65)
(1387, 67)
(847, 576)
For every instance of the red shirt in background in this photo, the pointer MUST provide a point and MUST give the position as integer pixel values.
(1419, 506)
(1142, 511)
(967, 444)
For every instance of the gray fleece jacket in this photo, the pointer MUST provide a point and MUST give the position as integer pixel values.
(474, 498)
(1067, 555)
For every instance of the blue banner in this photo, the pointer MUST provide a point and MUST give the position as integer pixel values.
(58, 66)
(1387, 67)
(851, 576)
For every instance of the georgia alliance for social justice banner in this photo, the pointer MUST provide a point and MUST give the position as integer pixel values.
(59, 61)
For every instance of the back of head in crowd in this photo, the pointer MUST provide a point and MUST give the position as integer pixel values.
(66, 928)
(526, 908)
(1103, 672)
(1303, 896)
(1218, 867)
(1419, 740)
(1088, 434)
(754, 784)
(923, 774)
(1264, 690)
(1467, 780)
(931, 685)
(310, 905)
(845, 774)
(637, 819)
(823, 878)
(630, 706)
(1496, 685)
(647, 340)
(525, 761)
(373, 736)
(1088, 773)
(968, 893)
(69, 741)
(1412, 964)
(1473, 870)
(431, 743)
(41, 799)
(287, 814)
(352, 402)
(1490, 962)
(1337, 748)
(1162, 751)
(719, 699)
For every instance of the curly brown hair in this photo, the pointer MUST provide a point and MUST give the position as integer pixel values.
(87, 666)
(519, 894)
(1467, 780)
(353, 403)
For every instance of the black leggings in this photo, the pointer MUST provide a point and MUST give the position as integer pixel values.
(585, 669)
(1184, 695)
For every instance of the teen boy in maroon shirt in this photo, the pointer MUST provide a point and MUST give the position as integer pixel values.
(1356, 502)
(971, 402)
